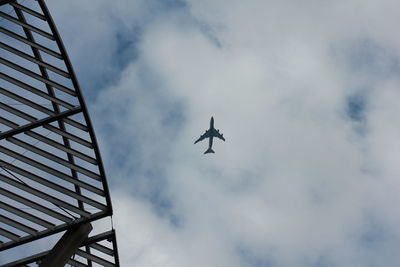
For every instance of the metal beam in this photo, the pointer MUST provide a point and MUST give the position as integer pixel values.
(3, 2)
(37, 77)
(94, 258)
(91, 241)
(27, 26)
(51, 171)
(75, 83)
(44, 182)
(35, 91)
(57, 202)
(41, 122)
(54, 186)
(55, 144)
(68, 135)
(28, 10)
(9, 235)
(34, 60)
(35, 205)
(67, 246)
(30, 43)
(17, 225)
(54, 158)
(52, 231)
(26, 261)
(41, 108)
(25, 215)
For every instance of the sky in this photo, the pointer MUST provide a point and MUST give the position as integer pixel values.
(306, 95)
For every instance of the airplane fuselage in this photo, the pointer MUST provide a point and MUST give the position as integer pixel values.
(210, 134)
(210, 141)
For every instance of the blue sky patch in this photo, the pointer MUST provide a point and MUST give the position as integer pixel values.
(374, 234)
(126, 50)
(253, 260)
(356, 106)
(369, 57)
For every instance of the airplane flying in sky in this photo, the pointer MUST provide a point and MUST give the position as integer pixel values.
(210, 133)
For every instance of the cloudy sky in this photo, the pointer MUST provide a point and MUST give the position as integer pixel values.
(306, 94)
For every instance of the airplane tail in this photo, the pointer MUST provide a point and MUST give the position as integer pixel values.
(209, 150)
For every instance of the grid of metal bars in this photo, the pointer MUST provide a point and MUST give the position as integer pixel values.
(51, 173)
(101, 246)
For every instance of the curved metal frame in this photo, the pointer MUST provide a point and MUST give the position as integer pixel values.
(51, 173)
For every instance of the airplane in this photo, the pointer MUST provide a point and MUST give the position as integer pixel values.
(210, 133)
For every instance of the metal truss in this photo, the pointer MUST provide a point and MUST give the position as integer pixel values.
(51, 173)
(102, 250)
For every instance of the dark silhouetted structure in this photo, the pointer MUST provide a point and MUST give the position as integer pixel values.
(210, 133)
(51, 173)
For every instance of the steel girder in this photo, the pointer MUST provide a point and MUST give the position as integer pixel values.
(51, 173)
(102, 250)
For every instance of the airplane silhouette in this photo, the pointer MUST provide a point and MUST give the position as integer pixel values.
(210, 133)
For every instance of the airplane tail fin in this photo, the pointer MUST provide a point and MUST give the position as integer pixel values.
(209, 150)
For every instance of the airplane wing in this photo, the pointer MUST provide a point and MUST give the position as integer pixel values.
(217, 134)
(205, 135)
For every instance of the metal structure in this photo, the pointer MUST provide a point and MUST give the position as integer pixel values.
(52, 179)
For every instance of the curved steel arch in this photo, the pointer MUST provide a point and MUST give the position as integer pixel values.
(51, 173)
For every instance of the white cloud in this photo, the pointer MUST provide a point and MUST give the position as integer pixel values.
(294, 184)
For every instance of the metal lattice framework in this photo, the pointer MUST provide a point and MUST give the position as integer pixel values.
(51, 173)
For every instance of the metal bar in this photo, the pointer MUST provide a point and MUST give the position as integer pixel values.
(27, 26)
(40, 256)
(109, 236)
(44, 151)
(27, 260)
(17, 225)
(34, 60)
(37, 76)
(50, 142)
(8, 234)
(75, 124)
(99, 237)
(68, 65)
(51, 185)
(30, 43)
(55, 144)
(102, 248)
(51, 92)
(25, 215)
(94, 258)
(8, 122)
(51, 171)
(54, 158)
(17, 112)
(68, 135)
(57, 202)
(3, 2)
(35, 205)
(66, 246)
(90, 263)
(40, 108)
(36, 91)
(54, 230)
(25, 101)
(115, 247)
(35, 123)
(76, 263)
(29, 11)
